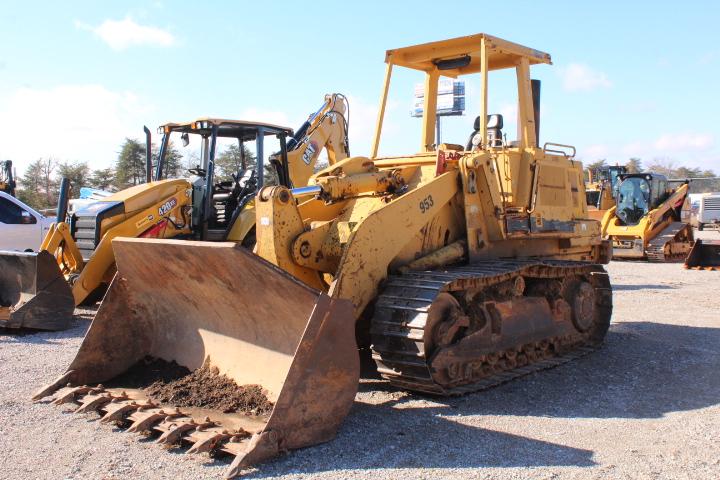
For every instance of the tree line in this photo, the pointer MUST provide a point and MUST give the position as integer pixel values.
(39, 185)
(671, 170)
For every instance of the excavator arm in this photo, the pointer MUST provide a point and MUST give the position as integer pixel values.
(327, 128)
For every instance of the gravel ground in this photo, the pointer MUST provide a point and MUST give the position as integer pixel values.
(644, 406)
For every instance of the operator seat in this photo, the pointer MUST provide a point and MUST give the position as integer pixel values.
(494, 126)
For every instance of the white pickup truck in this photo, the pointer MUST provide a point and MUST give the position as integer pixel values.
(21, 227)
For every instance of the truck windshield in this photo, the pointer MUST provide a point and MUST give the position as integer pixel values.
(633, 200)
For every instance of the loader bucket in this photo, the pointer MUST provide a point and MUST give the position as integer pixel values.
(33, 292)
(199, 303)
(704, 255)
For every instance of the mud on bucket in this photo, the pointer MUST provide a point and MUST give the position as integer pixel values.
(219, 306)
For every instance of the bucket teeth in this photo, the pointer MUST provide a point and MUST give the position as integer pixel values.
(117, 412)
(91, 403)
(207, 440)
(174, 429)
(52, 387)
(145, 420)
(70, 394)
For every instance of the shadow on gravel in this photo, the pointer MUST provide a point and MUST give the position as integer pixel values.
(79, 326)
(643, 287)
(644, 370)
(379, 437)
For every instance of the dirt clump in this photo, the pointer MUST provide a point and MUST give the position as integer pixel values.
(147, 371)
(172, 384)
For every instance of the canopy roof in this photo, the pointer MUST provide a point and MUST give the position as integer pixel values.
(245, 130)
(461, 56)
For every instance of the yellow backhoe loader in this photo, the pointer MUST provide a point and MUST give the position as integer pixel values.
(646, 222)
(456, 268)
(600, 189)
(7, 180)
(75, 262)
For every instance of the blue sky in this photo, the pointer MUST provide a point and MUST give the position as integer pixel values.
(629, 78)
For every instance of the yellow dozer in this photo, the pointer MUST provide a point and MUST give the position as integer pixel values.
(76, 262)
(456, 268)
(646, 223)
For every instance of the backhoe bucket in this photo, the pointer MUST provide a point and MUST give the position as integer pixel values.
(704, 255)
(217, 304)
(33, 292)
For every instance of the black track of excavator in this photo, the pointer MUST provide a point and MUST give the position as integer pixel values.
(472, 327)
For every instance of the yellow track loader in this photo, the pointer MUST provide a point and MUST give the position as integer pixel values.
(76, 261)
(646, 222)
(456, 268)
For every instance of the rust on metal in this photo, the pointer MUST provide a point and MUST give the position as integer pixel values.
(33, 292)
(253, 322)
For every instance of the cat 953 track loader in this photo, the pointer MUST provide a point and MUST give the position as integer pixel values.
(76, 261)
(456, 268)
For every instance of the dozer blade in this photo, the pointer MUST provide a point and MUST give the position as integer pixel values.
(33, 292)
(198, 304)
(705, 255)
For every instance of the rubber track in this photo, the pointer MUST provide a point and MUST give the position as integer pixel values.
(401, 313)
(656, 247)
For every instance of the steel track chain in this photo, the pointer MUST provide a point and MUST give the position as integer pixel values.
(401, 312)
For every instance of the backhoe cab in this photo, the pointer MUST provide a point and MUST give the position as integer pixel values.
(216, 216)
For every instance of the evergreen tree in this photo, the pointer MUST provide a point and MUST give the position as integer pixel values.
(78, 173)
(102, 179)
(597, 164)
(229, 162)
(634, 165)
(173, 165)
(38, 186)
(130, 166)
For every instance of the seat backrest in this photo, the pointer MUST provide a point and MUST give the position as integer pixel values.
(494, 126)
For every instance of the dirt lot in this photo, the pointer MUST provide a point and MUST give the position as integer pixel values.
(645, 406)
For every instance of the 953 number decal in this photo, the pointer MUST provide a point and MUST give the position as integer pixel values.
(426, 203)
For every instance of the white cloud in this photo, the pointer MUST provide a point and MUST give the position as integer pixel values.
(122, 34)
(684, 141)
(578, 77)
(69, 122)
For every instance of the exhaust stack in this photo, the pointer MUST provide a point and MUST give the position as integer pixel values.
(148, 155)
(536, 108)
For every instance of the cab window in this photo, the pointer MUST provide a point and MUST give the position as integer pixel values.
(13, 214)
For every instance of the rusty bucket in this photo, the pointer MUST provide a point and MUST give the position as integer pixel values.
(196, 303)
(33, 292)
